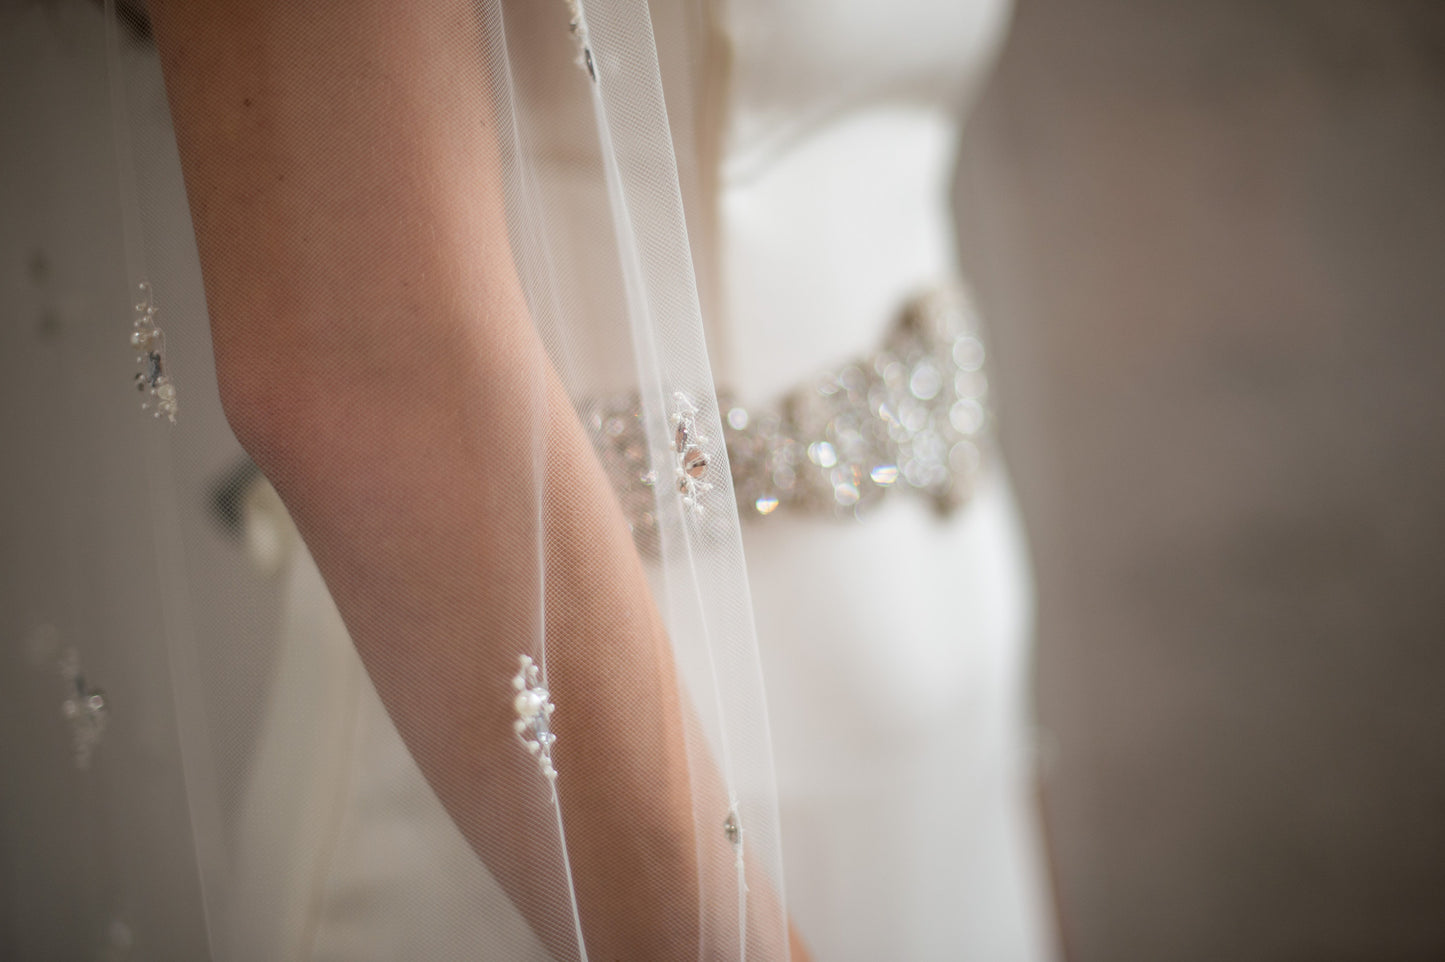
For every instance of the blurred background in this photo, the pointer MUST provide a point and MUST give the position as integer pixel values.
(1210, 236)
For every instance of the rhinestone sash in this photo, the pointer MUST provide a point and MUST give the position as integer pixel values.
(911, 416)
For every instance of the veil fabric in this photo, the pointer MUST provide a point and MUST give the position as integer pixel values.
(579, 157)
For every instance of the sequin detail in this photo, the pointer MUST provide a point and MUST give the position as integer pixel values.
(534, 715)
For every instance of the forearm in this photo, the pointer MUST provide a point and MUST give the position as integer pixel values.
(434, 569)
(425, 528)
(376, 358)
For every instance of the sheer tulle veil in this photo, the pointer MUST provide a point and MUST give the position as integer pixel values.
(592, 153)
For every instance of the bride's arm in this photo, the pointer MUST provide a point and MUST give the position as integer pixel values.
(377, 360)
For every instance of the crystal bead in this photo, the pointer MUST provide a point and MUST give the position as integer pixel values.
(970, 384)
(896, 418)
(732, 831)
(534, 707)
(915, 472)
(968, 353)
(915, 418)
(925, 382)
(967, 416)
(148, 341)
(822, 454)
(895, 375)
(965, 458)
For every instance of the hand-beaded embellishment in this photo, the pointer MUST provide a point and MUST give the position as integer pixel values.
(690, 447)
(84, 707)
(733, 829)
(912, 415)
(150, 341)
(534, 715)
(577, 26)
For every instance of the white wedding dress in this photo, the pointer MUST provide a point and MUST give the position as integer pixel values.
(895, 649)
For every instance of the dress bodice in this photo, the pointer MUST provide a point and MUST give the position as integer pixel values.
(795, 67)
(894, 650)
(835, 130)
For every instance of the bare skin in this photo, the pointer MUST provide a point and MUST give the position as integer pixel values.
(377, 360)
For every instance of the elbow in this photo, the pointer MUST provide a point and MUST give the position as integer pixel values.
(275, 408)
(311, 408)
(254, 420)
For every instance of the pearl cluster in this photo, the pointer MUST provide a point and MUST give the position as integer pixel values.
(84, 707)
(577, 26)
(534, 715)
(150, 344)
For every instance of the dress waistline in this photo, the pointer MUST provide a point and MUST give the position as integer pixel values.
(913, 415)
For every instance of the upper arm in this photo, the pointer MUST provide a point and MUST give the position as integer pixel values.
(342, 168)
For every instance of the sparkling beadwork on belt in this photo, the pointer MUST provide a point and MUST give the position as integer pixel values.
(910, 416)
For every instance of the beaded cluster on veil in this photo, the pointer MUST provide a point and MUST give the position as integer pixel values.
(149, 341)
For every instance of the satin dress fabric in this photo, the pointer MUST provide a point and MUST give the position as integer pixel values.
(896, 648)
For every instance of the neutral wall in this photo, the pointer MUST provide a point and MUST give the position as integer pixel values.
(1211, 236)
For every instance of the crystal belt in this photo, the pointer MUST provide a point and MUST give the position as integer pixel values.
(911, 416)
